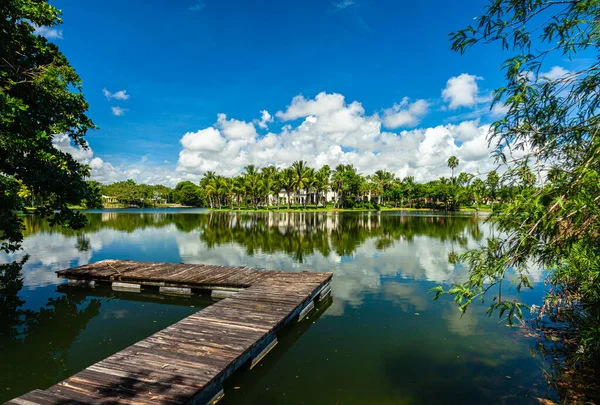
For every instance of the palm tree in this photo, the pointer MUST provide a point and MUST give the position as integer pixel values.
(251, 170)
(211, 188)
(268, 186)
(453, 163)
(321, 182)
(252, 182)
(269, 171)
(287, 180)
(272, 173)
(222, 188)
(240, 189)
(310, 184)
(231, 190)
(337, 183)
(301, 176)
(409, 188)
(384, 180)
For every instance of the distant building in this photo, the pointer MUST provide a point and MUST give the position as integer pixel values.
(109, 200)
(302, 196)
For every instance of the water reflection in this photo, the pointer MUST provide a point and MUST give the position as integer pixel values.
(381, 325)
(361, 248)
(61, 330)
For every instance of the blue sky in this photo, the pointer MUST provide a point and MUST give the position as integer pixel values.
(157, 74)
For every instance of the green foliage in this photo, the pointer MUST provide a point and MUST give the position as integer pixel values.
(40, 97)
(187, 193)
(300, 185)
(552, 220)
(129, 193)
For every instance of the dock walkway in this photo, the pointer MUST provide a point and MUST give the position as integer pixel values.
(187, 361)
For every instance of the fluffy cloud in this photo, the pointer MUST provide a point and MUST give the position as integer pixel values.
(236, 130)
(322, 104)
(205, 140)
(100, 170)
(326, 129)
(106, 172)
(405, 114)
(119, 95)
(62, 142)
(118, 111)
(47, 32)
(265, 119)
(332, 132)
(462, 91)
(556, 72)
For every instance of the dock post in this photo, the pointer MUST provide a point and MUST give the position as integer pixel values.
(306, 310)
(216, 398)
(221, 294)
(263, 353)
(175, 290)
(86, 283)
(126, 286)
(325, 292)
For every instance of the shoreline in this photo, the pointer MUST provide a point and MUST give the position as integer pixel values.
(304, 210)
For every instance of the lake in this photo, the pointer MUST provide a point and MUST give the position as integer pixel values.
(380, 340)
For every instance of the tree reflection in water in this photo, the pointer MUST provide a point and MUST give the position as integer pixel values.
(383, 259)
(34, 344)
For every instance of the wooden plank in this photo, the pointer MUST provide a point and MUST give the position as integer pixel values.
(191, 358)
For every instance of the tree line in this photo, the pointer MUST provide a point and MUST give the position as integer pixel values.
(300, 185)
(131, 194)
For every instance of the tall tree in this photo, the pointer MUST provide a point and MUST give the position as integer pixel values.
(40, 98)
(287, 181)
(492, 182)
(301, 178)
(553, 121)
(453, 163)
(322, 183)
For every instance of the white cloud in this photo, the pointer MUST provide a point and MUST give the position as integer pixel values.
(118, 111)
(556, 72)
(205, 140)
(236, 130)
(405, 114)
(328, 130)
(462, 91)
(119, 95)
(62, 142)
(47, 32)
(334, 132)
(499, 110)
(106, 172)
(265, 119)
(322, 104)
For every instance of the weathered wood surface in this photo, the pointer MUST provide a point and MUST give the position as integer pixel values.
(188, 360)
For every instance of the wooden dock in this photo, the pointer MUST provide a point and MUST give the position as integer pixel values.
(188, 361)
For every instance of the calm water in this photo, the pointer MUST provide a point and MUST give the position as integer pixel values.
(381, 340)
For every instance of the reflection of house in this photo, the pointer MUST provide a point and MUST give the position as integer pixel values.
(109, 200)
